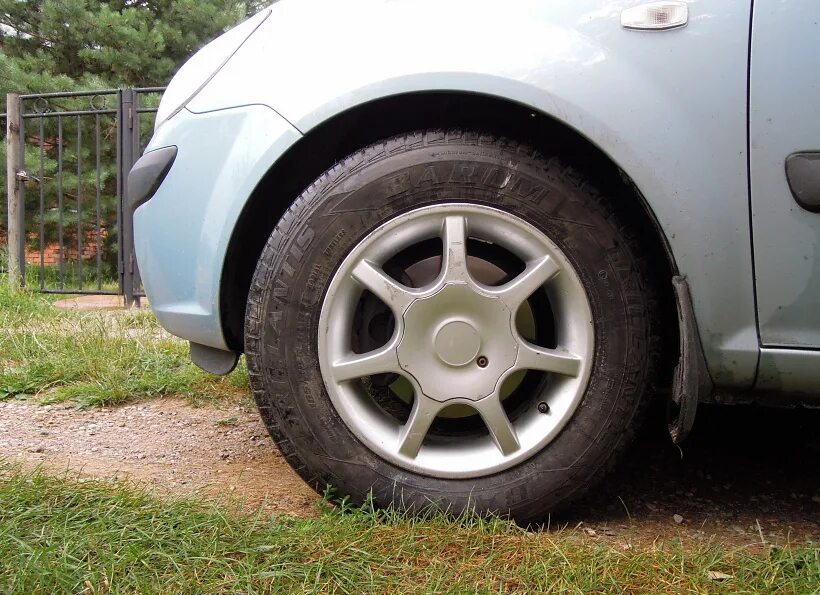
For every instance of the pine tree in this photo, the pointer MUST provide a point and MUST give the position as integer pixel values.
(65, 45)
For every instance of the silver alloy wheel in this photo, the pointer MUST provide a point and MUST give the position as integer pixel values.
(456, 342)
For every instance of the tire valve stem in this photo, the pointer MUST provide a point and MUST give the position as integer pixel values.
(543, 407)
(482, 362)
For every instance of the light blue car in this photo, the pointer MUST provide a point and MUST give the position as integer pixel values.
(464, 244)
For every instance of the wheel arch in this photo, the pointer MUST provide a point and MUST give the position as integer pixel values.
(332, 140)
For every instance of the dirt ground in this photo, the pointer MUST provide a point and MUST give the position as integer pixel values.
(167, 444)
(746, 475)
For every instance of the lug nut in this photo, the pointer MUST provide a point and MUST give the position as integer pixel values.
(482, 362)
(543, 408)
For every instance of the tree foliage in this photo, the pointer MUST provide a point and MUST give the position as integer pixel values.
(64, 45)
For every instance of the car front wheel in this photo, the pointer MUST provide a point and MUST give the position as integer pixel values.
(447, 319)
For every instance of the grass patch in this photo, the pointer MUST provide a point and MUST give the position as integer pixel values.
(59, 535)
(95, 358)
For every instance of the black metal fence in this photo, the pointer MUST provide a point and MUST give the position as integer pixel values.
(75, 151)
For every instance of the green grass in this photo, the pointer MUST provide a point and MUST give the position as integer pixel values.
(95, 358)
(70, 278)
(61, 535)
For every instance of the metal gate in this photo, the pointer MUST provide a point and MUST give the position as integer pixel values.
(69, 232)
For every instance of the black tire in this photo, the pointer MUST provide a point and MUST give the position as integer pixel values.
(373, 186)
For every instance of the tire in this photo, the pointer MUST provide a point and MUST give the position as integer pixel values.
(461, 176)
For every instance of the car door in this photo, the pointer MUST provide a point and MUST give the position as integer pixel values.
(784, 120)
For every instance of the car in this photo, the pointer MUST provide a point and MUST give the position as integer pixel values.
(466, 245)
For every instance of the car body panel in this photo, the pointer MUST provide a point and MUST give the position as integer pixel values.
(667, 107)
(784, 118)
(182, 233)
(790, 371)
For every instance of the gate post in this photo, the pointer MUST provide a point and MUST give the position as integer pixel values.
(14, 183)
(126, 111)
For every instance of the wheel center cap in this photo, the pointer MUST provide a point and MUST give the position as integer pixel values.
(457, 343)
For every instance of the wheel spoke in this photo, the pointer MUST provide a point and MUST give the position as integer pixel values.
(454, 261)
(502, 431)
(415, 430)
(384, 287)
(537, 274)
(380, 361)
(531, 357)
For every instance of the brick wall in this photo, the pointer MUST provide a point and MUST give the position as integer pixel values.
(51, 251)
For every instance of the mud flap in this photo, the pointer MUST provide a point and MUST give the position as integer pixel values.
(215, 361)
(692, 381)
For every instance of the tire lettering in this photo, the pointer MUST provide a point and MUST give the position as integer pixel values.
(489, 175)
(280, 289)
(463, 174)
(398, 184)
(274, 318)
(305, 238)
(334, 243)
(429, 175)
(498, 177)
(527, 189)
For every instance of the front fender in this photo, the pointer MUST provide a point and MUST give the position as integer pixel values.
(667, 107)
(182, 233)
